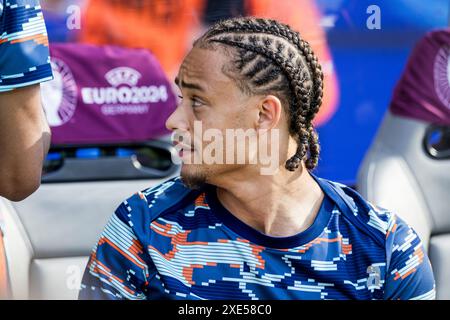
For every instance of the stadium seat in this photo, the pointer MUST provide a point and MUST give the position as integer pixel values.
(407, 168)
(108, 142)
(49, 236)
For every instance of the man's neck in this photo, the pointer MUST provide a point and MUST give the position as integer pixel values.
(281, 205)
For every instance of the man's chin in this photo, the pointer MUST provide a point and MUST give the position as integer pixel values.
(192, 177)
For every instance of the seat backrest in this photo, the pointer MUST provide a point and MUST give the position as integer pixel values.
(402, 171)
(49, 236)
(398, 174)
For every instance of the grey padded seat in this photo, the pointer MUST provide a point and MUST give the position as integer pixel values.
(49, 236)
(397, 174)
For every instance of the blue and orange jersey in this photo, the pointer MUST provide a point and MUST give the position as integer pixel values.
(170, 242)
(24, 52)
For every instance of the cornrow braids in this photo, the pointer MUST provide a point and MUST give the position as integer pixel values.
(270, 57)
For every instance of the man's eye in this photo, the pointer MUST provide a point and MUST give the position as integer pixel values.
(196, 102)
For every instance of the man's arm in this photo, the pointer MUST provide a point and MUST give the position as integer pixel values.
(118, 266)
(24, 142)
(409, 274)
(24, 63)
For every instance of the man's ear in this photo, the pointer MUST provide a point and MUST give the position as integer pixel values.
(270, 109)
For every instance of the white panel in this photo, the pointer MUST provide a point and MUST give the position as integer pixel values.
(56, 278)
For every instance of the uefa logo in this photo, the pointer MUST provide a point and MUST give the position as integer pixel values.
(122, 75)
(442, 75)
(59, 96)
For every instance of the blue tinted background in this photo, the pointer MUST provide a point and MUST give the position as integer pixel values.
(368, 64)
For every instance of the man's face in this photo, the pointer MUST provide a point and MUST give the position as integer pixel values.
(211, 103)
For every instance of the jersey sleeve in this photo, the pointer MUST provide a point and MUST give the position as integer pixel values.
(409, 272)
(118, 266)
(24, 52)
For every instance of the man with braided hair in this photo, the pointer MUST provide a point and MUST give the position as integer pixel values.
(226, 231)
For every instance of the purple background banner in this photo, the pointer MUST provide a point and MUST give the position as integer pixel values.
(106, 94)
(423, 91)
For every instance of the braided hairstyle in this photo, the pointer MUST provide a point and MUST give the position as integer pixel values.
(270, 58)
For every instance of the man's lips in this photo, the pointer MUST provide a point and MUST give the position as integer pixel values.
(183, 148)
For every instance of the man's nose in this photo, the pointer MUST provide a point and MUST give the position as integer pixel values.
(177, 120)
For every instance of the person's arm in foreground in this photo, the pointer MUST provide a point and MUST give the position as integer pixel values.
(24, 142)
(24, 63)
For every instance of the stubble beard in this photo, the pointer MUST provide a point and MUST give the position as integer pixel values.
(194, 180)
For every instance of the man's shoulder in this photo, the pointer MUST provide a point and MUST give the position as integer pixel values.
(154, 201)
(370, 219)
(408, 273)
(24, 45)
